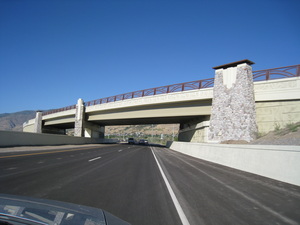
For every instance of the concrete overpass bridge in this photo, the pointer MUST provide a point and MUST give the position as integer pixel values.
(276, 94)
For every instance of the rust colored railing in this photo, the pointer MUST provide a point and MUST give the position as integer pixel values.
(59, 110)
(261, 75)
(199, 84)
(277, 73)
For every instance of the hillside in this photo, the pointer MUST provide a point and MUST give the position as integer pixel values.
(287, 135)
(14, 121)
(156, 133)
(140, 130)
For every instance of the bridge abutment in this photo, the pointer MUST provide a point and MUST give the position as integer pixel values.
(93, 130)
(194, 132)
(40, 128)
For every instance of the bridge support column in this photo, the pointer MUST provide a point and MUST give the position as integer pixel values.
(233, 114)
(38, 123)
(79, 118)
(84, 128)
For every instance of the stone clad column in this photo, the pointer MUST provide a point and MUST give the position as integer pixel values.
(233, 115)
(84, 128)
(38, 122)
(79, 119)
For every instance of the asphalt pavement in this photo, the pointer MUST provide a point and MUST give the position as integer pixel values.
(213, 194)
(148, 185)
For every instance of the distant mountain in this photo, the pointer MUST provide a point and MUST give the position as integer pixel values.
(14, 121)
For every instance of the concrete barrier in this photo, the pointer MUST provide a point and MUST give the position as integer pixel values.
(14, 138)
(279, 162)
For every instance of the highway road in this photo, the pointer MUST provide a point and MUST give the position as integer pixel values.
(149, 185)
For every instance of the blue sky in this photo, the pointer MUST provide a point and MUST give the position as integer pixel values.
(53, 52)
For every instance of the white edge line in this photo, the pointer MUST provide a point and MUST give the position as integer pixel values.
(94, 159)
(180, 212)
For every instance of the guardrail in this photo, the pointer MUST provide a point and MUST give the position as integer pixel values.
(260, 75)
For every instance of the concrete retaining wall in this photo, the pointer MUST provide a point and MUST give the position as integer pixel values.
(279, 162)
(276, 113)
(14, 138)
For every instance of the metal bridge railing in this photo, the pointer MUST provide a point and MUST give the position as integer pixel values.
(199, 84)
(59, 110)
(276, 73)
(261, 75)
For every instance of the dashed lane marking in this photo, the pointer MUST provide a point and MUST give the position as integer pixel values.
(94, 159)
(12, 168)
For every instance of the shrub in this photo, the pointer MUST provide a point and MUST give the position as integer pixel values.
(292, 127)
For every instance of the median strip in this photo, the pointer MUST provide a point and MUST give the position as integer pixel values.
(42, 153)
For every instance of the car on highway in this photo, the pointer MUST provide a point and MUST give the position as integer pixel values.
(131, 141)
(143, 142)
(20, 210)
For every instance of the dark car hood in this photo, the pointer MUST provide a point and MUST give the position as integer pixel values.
(27, 210)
